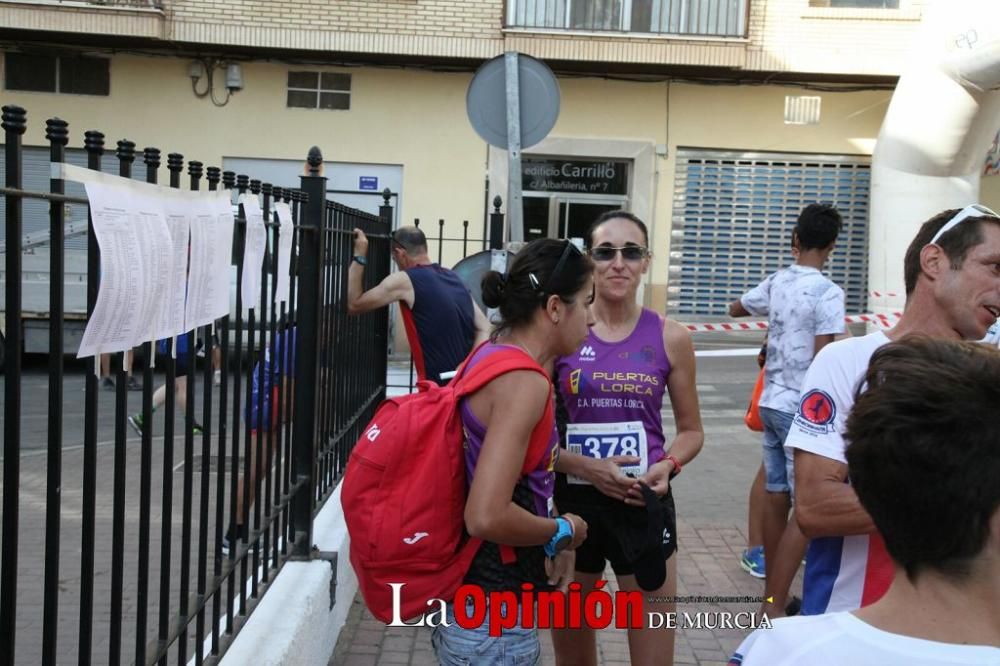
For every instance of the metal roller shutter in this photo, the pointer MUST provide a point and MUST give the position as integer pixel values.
(734, 213)
(35, 173)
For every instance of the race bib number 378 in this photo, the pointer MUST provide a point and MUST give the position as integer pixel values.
(605, 440)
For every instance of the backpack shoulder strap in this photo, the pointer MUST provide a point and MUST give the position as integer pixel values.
(501, 362)
(498, 363)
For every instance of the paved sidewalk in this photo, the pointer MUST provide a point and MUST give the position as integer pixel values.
(711, 496)
(707, 567)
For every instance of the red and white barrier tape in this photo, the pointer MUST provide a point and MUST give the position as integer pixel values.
(883, 320)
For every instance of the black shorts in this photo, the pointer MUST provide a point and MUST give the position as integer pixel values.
(606, 530)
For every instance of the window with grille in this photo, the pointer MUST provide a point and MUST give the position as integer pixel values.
(734, 214)
(319, 90)
(721, 18)
(70, 74)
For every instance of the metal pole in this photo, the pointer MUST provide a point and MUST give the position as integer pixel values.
(58, 136)
(306, 367)
(151, 157)
(213, 175)
(514, 209)
(94, 145)
(126, 155)
(14, 123)
(496, 224)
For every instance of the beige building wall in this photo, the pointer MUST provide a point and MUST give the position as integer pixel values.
(416, 119)
(782, 35)
(601, 118)
(789, 35)
(989, 192)
(752, 119)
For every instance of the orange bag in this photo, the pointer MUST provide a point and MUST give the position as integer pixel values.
(752, 417)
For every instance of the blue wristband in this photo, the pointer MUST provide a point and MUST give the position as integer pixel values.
(561, 539)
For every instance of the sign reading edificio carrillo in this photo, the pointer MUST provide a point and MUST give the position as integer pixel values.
(584, 176)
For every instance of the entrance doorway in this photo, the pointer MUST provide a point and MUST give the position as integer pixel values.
(562, 197)
(555, 216)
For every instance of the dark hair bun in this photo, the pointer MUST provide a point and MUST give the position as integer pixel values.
(492, 286)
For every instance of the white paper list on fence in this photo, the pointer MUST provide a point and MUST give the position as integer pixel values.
(177, 214)
(253, 252)
(135, 267)
(211, 256)
(286, 236)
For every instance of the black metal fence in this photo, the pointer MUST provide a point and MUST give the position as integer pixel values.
(134, 568)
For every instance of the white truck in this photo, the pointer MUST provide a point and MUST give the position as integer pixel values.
(35, 310)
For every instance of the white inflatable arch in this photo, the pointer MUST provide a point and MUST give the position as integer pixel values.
(933, 142)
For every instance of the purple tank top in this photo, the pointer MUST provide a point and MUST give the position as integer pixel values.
(619, 382)
(540, 482)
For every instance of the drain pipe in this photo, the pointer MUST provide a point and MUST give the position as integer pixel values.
(935, 136)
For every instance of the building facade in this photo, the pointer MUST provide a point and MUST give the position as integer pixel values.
(714, 120)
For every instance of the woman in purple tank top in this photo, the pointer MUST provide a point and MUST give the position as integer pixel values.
(544, 302)
(611, 392)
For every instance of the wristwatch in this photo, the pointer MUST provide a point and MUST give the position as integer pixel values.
(361, 259)
(561, 539)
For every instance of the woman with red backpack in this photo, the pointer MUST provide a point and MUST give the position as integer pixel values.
(544, 304)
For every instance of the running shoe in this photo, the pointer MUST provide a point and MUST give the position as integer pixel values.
(133, 384)
(135, 420)
(752, 561)
(232, 536)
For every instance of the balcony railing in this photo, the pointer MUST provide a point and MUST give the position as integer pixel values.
(714, 18)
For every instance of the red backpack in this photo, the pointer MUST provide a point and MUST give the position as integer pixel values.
(404, 491)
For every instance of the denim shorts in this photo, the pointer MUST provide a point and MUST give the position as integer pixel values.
(777, 464)
(455, 646)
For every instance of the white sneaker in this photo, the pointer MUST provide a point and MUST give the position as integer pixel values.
(218, 378)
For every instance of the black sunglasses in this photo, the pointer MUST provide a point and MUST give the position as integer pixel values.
(629, 252)
(567, 251)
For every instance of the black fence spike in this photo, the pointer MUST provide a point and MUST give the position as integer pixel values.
(151, 156)
(57, 131)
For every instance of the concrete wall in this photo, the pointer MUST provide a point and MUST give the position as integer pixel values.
(294, 623)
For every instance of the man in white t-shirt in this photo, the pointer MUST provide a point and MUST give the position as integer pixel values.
(924, 461)
(804, 310)
(952, 276)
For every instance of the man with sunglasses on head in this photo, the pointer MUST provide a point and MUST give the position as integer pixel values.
(805, 310)
(443, 323)
(924, 461)
(952, 276)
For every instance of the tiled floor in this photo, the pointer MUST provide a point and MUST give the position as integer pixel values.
(711, 504)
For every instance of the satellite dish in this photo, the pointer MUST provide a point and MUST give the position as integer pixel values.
(472, 269)
(486, 101)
